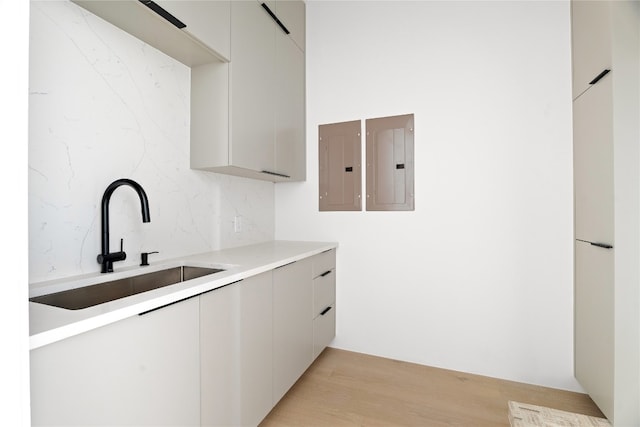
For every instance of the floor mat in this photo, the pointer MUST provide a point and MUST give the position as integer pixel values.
(525, 415)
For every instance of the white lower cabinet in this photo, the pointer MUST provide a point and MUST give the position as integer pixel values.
(292, 325)
(222, 358)
(141, 371)
(324, 329)
(236, 348)
(304, 317)
(324, 300)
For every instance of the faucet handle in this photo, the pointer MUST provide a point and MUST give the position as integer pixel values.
(144, 257)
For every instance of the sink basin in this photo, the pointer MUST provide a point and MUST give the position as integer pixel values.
(88, 296)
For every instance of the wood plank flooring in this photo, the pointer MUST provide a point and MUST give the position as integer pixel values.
(343, 388)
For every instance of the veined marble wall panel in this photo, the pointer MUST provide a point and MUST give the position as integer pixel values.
(104, 105)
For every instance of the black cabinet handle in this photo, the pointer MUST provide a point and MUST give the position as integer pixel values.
(599, 77)
(325, 273)
(325, 311)
(187, 298)
(166, 305)
(275, 18)
(601, 245)
(162, 12)
(276, 174)
(284, 265)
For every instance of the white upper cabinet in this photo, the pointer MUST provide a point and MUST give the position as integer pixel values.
(192, 32)
(267, 106)
(207, 21)
(290, 149)
(265, 135)
(252, 74)
(591, 42)
(247, 77)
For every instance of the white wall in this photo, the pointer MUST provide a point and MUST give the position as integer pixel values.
(14, 314)
(479, 277)
(102, 106)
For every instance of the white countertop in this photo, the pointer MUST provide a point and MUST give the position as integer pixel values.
(48, 324)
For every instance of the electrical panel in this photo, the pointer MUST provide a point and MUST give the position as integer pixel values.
(340, 153)
(390, 165)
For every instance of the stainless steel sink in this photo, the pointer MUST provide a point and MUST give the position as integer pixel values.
(87, 296)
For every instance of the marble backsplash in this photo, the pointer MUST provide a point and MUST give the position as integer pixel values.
(104, 105)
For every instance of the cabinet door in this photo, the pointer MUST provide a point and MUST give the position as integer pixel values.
(252, 74)
(324, 329)
(255, 331)
(141, 371)
(219, 387)
(292, 13)
(339, 166)
(324, 300)
(593, 163)
(590, 41)
(290, 109)
(594, 323)
(236, 352)
(292, 325)
(207, 21)
(324, 292)
(390, 163)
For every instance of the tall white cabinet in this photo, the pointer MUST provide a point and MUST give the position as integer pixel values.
(606, 116)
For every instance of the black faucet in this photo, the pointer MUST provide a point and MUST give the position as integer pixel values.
(106, 259)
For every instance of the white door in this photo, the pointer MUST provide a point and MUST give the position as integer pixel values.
(594, 323)
(593, 163)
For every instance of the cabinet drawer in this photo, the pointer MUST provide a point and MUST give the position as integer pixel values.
(324, 291)
(324, 329)
(324, 262)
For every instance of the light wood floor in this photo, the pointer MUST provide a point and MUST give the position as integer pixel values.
(351, 389)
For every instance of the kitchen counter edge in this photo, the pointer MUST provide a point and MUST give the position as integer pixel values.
(51, 324)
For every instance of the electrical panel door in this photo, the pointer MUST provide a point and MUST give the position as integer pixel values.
(390, 163)
(339, 152)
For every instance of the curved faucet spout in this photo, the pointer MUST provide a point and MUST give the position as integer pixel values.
(106, 258)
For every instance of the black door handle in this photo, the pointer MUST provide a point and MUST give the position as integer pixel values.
(325, 311)
(597, 78)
